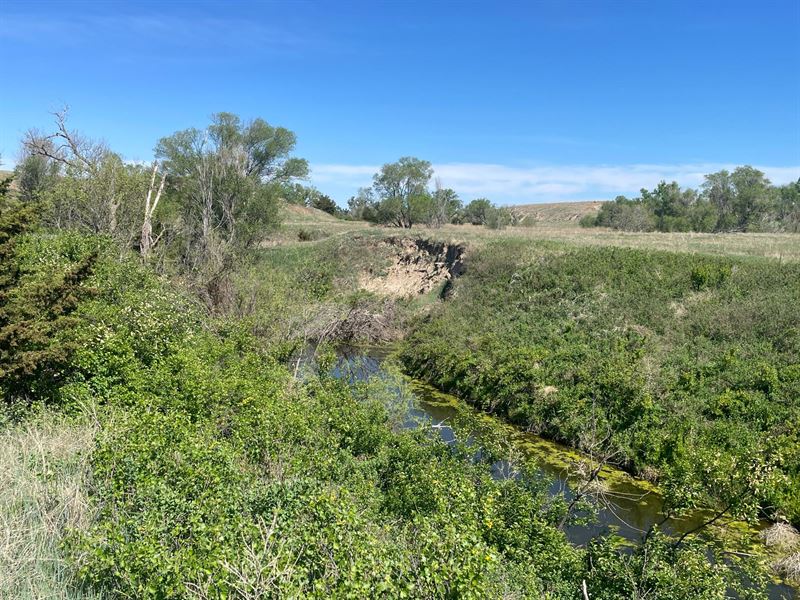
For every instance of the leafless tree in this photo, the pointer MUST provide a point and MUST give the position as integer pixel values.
(94, 186)
(147, 242)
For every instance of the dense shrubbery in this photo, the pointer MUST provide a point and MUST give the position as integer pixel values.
(743, 200)
(684, 367)
(215, 474)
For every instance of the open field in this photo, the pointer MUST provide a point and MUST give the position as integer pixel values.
(782, 247)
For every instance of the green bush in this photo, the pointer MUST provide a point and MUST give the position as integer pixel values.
(709, 276)
(569, 341)
(310, 235)
(216, 474)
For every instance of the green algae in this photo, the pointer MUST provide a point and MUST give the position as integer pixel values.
(558, 460)
(735, 538)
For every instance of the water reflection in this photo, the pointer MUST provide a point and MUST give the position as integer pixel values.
(628, 508)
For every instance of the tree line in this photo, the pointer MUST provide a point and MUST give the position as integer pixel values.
(213, 193)
(401, 196)
(209, 196)
(742, 200)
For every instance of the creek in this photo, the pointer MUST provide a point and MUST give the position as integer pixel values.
(629, 506)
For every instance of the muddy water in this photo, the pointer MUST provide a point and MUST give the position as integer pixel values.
(630, 506)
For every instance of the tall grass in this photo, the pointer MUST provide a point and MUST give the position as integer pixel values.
(43, 496)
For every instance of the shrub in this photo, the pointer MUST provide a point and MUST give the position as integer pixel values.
(709, 276)
(310, 235)
(624, 344)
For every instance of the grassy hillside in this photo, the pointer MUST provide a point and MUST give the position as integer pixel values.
(294, 214)
(686, 367)
(556, 214)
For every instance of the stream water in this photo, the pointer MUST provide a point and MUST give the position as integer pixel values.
(629, 507)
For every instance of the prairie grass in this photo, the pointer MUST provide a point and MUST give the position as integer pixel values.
(783, 247)
(43, 496)
(555, 227)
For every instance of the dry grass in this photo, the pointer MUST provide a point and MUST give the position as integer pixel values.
(781, 535)
(43, 495)
(784, 247)
(557, 222)
(789, 567)
(294, 213)
(559, 213)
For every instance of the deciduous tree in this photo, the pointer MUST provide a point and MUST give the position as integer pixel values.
(227, 179)
(402, 188)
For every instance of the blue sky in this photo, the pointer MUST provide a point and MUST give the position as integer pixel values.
(520, 102)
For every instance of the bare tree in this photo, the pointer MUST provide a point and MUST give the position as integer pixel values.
(66, 147)
(93, 189)
(147, 242)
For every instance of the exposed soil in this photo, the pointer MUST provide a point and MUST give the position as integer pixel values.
(417, 267)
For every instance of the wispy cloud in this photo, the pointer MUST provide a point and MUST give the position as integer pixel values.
(153, 32)
(516, 185)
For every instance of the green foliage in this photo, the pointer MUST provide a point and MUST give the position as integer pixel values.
(709, 276)
(482, 211)
(629, 215)
(697, 389)
(207, 454)
(36, 310)
(740, 201)
(660, 570)
(401, 189)
(400, 197)
(445, 207)
(325, 203)
(215, 473)
(476, 211)
(80, 184)
(361, 207)
(498, 218)
(5, 186)
(35, 176)
(310, 235)
(226, 181)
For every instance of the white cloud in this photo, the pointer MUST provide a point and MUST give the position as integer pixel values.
(516, 184)
(186, 31)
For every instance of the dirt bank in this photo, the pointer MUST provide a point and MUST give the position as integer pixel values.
(416, 267)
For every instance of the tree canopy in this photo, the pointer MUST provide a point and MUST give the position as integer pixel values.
(742, 200)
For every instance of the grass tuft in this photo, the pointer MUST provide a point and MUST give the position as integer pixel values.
(43, 496)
